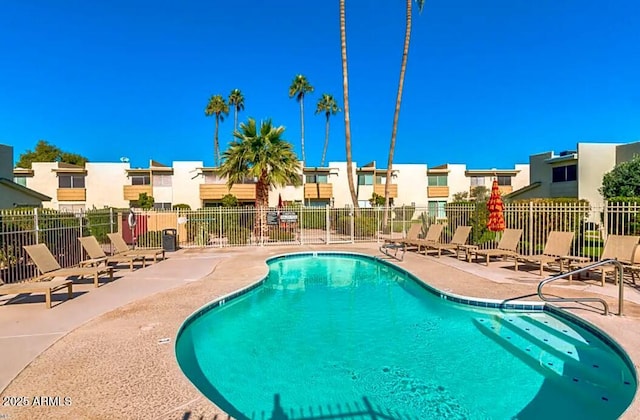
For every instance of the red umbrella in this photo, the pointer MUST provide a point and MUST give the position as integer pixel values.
(496, 209)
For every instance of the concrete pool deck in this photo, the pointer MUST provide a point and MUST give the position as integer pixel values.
(104, 350)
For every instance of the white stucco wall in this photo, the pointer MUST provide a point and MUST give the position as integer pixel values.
(457, 181)
(340, 183)
(594, 160)
(45, 181)
(412, 184)
(104, 184)
(186, 183)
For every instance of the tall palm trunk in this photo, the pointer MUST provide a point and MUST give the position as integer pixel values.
(396, 114)
(326, 141)
(345, 91)
(302, 128)
(261, 229)
(216, 146)
(235, 119)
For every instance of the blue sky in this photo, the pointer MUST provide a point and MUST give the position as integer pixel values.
(488, 83)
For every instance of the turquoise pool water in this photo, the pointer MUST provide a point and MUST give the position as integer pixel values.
(344, 336)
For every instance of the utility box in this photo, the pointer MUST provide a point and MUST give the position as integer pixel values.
(169, 240)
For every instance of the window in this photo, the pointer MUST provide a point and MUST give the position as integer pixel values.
(381, 179)
(564, 173)
(162, 180)
(162, 206)
(364, 204)
(477, 181)
(20, 180)
(365, 179)
(140, 180)
(317, 179)
(437, 180)
(504, 180)
(70, 181)
(436, 209)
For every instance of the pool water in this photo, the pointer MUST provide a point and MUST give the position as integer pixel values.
(348, 337)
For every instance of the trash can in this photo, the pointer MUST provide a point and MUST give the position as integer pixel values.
(170, 240)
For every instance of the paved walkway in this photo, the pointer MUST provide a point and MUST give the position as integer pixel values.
(106, 351)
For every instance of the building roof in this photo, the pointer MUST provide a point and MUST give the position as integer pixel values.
(4, 182)
(514, 194)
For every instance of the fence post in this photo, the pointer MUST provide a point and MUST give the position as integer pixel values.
(605, 221)
(111, 220)
(353, 224)
(36, 227)
(327, 226)
(530, 233)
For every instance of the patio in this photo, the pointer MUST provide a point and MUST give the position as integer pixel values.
(104, 348)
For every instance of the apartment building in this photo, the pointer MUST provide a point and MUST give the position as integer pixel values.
(445, 181)
(116, 184)
(574, 173)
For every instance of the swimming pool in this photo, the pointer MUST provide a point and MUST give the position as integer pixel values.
(342, 335)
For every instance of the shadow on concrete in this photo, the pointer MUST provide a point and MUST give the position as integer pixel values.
(57, 298)
(361, 410)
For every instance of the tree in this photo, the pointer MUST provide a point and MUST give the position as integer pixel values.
(229, 200)
(345, 94)
(47, 152)
(460, 197)
(328, 105)
(480, 193)
(264, 155)
(376, 200)
(236, 100)
(145, 201)
(219, 108)
(623, 180)
(396, 114)
(298, 89)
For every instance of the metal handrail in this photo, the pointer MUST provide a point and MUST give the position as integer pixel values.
(618, 265)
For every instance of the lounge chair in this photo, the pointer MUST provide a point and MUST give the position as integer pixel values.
(390, 247)
(121, 248)
(49, 267)
(46, 287)
(507, 247)
(460, 237)
(97, 256)
(618, 247)
(432, 237)
(556, 250)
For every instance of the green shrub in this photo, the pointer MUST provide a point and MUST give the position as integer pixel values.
(365, 226)
(238, 236)
(99, 224)
(282, 235)
(181, 207)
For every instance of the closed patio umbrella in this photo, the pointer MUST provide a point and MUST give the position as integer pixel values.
(496, 209)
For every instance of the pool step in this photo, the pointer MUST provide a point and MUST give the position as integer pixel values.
(548, 353)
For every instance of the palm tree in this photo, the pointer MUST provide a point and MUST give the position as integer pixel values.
(345, 92)
(236, 100)
(396, 114)
(218, 107)
(299, 87)
(329, 106)
(263, 155)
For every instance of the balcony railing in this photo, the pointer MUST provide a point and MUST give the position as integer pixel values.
(393, 190)
(313, 190)
(217, 191)
(132, 192)
(71, 194)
